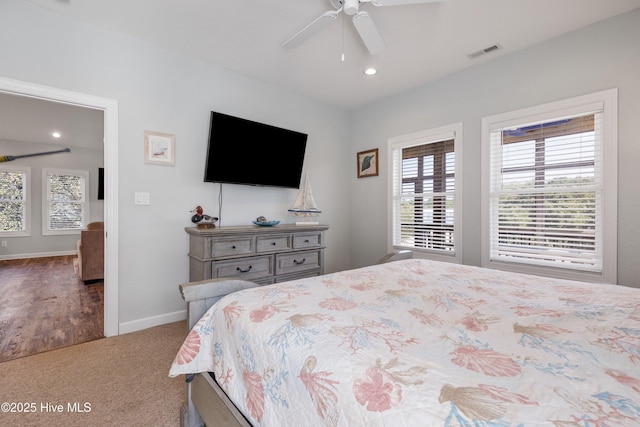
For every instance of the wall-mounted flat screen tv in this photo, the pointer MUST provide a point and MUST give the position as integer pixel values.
(242, 151)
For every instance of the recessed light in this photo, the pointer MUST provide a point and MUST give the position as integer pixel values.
(56, 134)
(370, 71)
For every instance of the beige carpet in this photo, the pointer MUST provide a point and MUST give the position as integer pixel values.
(117, 381)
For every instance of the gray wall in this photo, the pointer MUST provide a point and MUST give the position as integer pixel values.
(163, 91)
(603, 56)
(78, 159)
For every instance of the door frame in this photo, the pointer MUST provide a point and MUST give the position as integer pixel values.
(110, 113)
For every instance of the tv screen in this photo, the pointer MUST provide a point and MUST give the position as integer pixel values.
(242, 151)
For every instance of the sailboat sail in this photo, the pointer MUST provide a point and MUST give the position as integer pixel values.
(304, 205)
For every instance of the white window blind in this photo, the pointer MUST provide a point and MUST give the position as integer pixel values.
(550, 188)
(546, 193)
(66, 200)
(424, 193)
(14, 201)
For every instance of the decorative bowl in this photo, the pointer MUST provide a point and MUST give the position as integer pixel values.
(266, 223)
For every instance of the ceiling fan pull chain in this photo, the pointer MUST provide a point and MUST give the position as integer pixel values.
(343, 20)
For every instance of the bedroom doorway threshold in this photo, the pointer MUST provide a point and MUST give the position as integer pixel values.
(110, 109)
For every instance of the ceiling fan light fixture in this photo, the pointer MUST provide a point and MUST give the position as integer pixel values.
(350, 7)
(370, 71)
(56, 134)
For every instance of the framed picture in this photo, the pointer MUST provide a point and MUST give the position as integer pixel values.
(367, 163)
(159, 148)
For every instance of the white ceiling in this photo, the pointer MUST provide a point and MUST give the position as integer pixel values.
(26, 119)
(424, 42)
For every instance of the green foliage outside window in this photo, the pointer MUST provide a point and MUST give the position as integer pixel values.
(564, 219)
(66, 197)
(12, 201)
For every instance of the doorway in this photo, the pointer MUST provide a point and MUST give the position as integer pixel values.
(110, 113)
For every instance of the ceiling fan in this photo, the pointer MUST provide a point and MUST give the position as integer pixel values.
(361, 20)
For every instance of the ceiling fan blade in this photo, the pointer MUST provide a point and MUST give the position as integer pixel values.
(368, 33)
(310, 29)
(398, 2)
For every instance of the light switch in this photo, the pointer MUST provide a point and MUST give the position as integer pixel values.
(142, 198)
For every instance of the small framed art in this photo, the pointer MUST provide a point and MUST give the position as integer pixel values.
(367, 163)
(159, 148)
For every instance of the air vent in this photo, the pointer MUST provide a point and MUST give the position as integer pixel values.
(484, 51)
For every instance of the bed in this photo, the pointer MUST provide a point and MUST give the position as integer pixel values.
(413, 342)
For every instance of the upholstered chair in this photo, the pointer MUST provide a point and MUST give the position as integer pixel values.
(91, 252)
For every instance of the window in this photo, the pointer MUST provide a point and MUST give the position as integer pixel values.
(548, 172)
(14, 201)
(65, 206)
(424, 184)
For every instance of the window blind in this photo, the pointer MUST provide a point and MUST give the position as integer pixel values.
(424, 195)
(66, 201)
(546, 193)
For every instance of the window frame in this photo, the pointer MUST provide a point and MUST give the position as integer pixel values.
(46, 172)
(26, 171)
(607, 102)
(440, 134)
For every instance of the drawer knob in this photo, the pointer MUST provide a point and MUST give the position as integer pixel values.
(244, 271)
(233, 247)
(273, 243)
(295, 261)
(306, 241)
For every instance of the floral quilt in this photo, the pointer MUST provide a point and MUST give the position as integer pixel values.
(419, 342)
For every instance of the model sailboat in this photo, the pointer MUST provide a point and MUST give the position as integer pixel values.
(304, 206)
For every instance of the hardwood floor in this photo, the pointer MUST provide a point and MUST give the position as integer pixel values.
(44, 305)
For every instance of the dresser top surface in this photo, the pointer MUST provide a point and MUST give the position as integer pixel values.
(255, 229)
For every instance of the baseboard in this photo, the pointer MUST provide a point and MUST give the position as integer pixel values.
(37, 255)
(150, 322)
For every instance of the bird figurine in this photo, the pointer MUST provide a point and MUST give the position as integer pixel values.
(201, 219)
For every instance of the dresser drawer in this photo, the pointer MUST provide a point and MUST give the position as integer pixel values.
(306, 240)
(243, 268)
(273, 243)
(231, 247)
(297, 261)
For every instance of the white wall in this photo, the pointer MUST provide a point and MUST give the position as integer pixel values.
(602, 56)
(168, 92)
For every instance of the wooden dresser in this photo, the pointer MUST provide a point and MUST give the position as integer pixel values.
(262, 255)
